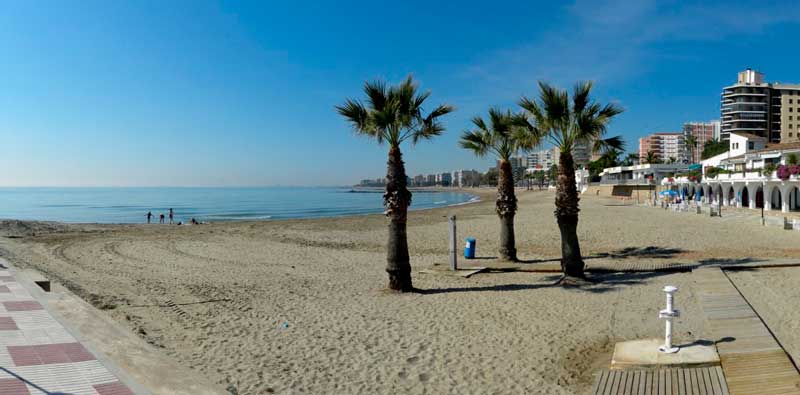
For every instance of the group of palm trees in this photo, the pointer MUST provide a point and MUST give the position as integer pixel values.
(394, 114)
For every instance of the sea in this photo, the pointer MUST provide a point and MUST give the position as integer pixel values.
(130, 205)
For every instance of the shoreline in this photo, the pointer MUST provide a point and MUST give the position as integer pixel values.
(475, 197)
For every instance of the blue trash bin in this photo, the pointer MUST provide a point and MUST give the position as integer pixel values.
(469, 249)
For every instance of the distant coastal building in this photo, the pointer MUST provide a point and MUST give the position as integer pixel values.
(378, 182)
(582, 153)
(702, 133)
(443, 179)
(466, 178)
(516, 162)
(542, 160)
(768, 110)
(667, 147)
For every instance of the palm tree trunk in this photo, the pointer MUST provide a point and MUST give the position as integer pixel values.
(396, 201)
(506, 209)
(567, 217)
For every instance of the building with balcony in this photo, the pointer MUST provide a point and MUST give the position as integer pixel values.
(702, 132)
(769, 110)
(667, 146)
(543, 160)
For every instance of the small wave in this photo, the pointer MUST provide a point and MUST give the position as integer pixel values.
(440, 202)
(234, 218)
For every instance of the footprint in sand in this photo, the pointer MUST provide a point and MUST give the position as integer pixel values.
(412, 360)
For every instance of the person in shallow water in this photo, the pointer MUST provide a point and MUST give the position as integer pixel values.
(149, 215)
(171, 221)
(161, 219)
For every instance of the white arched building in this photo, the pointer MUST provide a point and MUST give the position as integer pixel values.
(741, 181)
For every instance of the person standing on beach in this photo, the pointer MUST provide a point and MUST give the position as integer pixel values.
(171, 221)
(149, 215)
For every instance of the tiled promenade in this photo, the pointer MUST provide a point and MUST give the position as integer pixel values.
(39, 356)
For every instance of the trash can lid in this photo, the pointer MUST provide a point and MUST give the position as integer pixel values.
(470, 239)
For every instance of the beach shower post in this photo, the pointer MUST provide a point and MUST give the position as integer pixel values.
(453, 249)
(668, 314)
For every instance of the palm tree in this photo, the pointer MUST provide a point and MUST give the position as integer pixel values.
(498, 137)
(394, 115)
(567, 124)
(691, 144)
(651, 158)
(631, 158)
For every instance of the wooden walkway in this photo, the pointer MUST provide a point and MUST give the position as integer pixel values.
(684, 381)
(751, 358)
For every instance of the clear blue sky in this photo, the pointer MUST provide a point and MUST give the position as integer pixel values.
(234, 93)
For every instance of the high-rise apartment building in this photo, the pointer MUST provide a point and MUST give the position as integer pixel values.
(667, 147)
(702, 133)
(763, 109)
(543, 159)
(582, 152)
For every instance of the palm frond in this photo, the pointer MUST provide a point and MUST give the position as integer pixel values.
(580, 95)
(376, 94)
(611, 144)
(610, 110)
(476, 141)
(357, 115)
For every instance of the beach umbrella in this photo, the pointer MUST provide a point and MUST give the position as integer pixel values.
(668, 192)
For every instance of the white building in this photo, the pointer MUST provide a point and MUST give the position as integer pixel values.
(466, 178)
(640, 174)
(738, 177)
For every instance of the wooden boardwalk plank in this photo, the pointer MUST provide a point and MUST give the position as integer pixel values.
(753, 361)
(688, 381)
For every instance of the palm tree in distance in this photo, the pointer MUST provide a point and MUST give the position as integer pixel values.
(651, 158)
(631, 159)
(394, 115)
(691, 144)
(498, 137)
(567, 123)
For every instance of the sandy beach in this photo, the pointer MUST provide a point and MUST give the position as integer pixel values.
(300, 306)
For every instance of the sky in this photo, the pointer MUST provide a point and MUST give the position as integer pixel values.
(203, 93)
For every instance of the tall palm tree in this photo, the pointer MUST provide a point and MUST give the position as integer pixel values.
(691, 144)
(498, 137)
(394, 115)
(567, 123)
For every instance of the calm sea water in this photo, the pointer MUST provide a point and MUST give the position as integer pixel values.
(130, 205)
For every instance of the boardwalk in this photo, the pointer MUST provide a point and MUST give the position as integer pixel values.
(686, 381)
(752, 360)
(39, 356)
